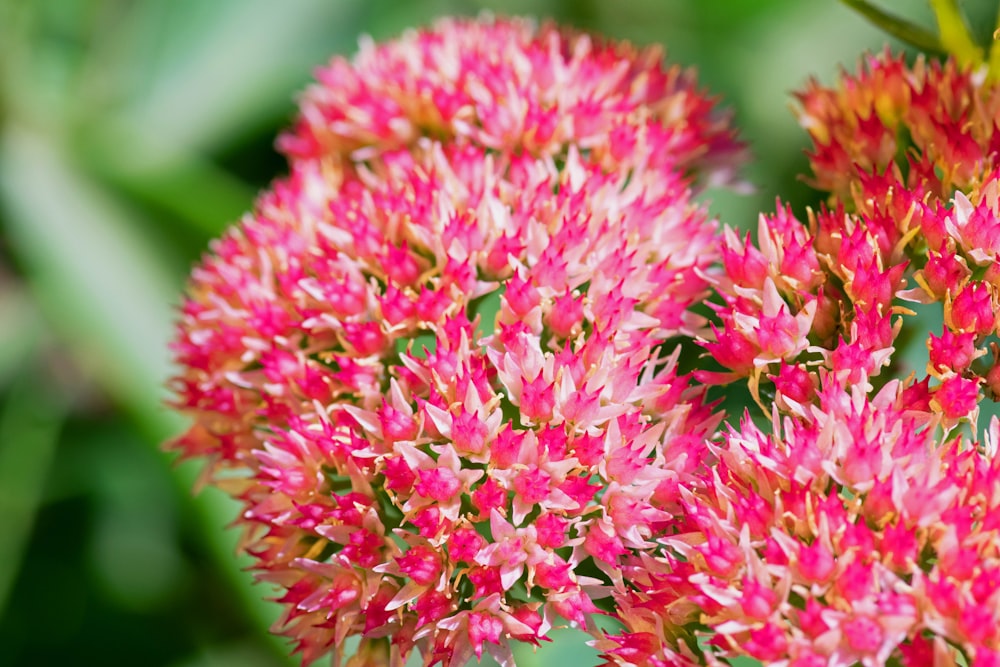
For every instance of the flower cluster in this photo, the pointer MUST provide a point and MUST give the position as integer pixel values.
(436, 364)
(852, 522)
(450, 365)
(851, 534)
(931, 126)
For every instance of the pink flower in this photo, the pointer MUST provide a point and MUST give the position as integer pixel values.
(947, 111)
(768, 644)
(434, 354)
(441, 364)
(973, 309)
(815, 562)
(956, 397)
(951, 351)
(867, 542)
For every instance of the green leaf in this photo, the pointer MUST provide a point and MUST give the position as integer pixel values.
(109, 294)
(29, 430)
(20, 328)
(209, 72)
(568, 647)
(91, 270)
(188, 186)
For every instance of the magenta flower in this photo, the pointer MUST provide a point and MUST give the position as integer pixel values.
(845, 535)
(440, 364)
(433, 364)
(844, 523)
(949, 113)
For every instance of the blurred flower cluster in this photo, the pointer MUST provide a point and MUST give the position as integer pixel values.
(460, 367)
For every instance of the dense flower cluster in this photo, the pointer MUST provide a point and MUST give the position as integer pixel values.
(851, 534)
(446, 365)
(931, 126)
(853, 522)
(434, 365)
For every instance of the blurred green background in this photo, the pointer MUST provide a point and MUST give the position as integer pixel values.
(132, 132)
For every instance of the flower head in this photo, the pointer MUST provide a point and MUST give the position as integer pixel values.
(432, 364)
(845, 533)
(862, 126)
(842, 522)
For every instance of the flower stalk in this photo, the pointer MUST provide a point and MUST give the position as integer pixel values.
(900, 28)
(955, 35)
(994, 51)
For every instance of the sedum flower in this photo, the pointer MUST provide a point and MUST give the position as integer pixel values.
(833, 293)
(848, 534)
(868, 123)
(844, 522)
(434, 363)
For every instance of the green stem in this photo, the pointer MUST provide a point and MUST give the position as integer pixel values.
(955, 35)
(994, 71)
(898, 27)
